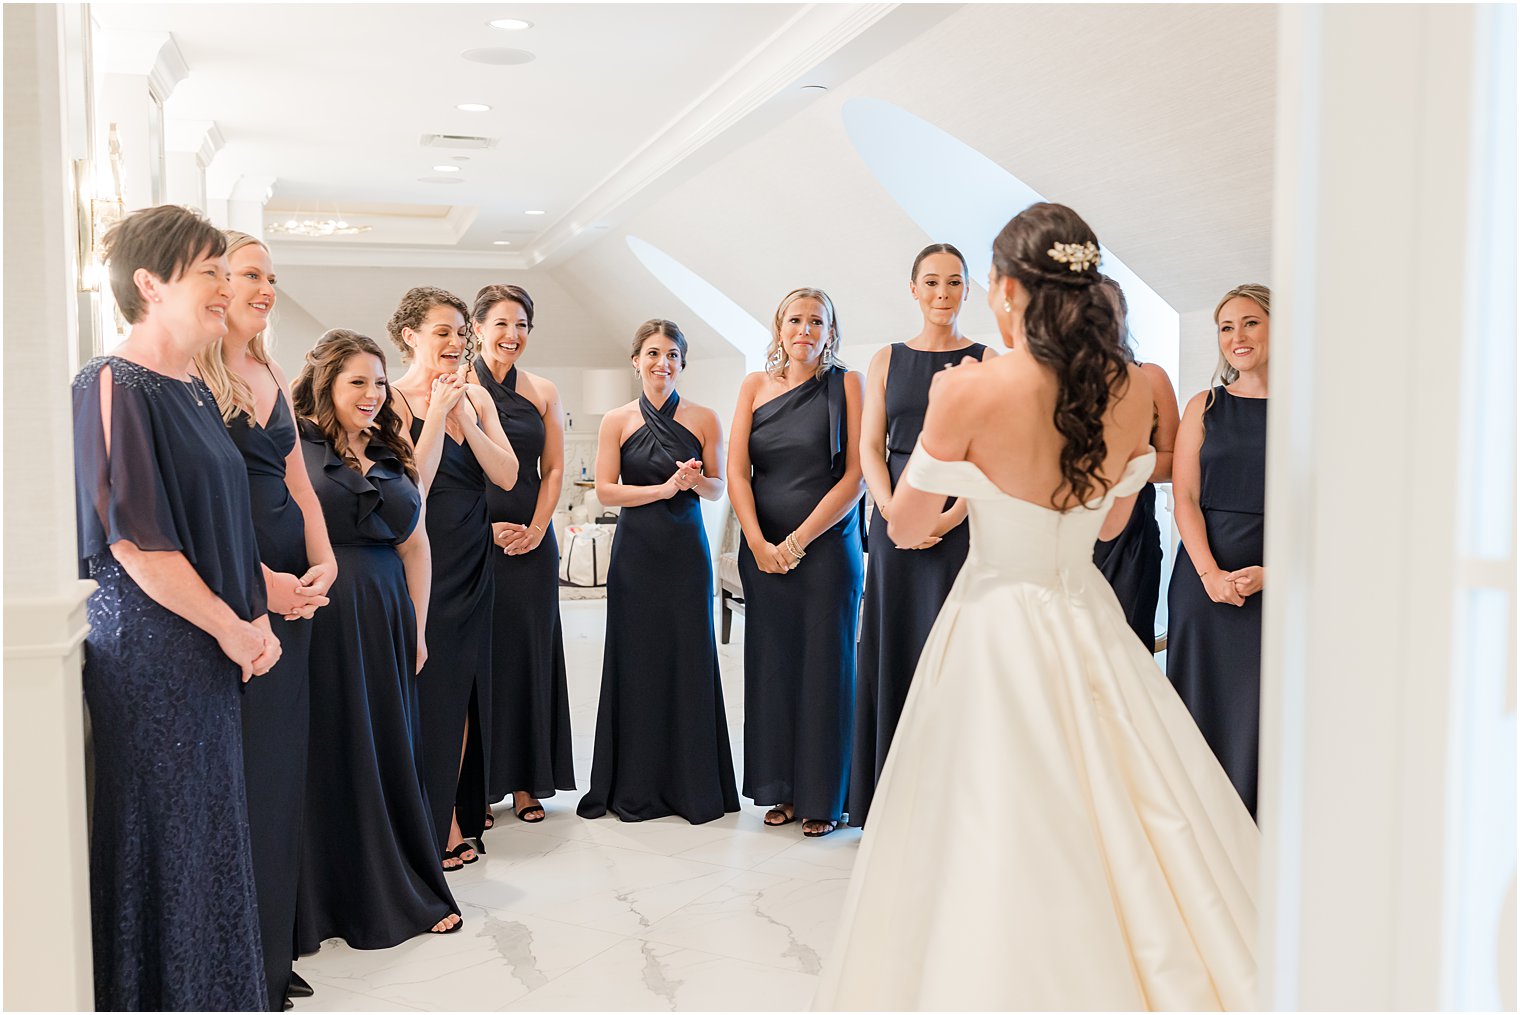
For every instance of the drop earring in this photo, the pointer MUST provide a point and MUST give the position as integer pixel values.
(1007, 307)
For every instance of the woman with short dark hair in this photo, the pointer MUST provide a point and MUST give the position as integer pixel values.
(165, 529)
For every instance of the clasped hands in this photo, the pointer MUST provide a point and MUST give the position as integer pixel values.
(686, 476)
(297, 598)
(516, 539)
(1233, 587)
(449, 394)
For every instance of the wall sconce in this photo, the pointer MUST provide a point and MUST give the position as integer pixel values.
(96, 217)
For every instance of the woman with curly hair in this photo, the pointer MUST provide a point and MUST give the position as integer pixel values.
(1112, 865)
(370, 869)
(461, 450)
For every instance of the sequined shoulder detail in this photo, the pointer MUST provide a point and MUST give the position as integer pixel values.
(128, 374)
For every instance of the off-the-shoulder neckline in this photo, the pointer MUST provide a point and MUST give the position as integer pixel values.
(1149, 456)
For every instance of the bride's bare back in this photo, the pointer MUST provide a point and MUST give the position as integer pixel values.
(999, 415)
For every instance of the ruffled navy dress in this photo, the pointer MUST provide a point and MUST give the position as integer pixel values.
(370, 868)
(661, 735)
(799, 627)
(276, 706)
(529, 724)
(173, 910)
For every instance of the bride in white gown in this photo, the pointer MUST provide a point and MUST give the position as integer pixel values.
(1051, 830)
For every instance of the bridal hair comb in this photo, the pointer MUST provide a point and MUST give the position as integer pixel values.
(1076, 256)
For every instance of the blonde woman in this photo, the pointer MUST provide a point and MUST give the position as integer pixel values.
(795, 483)
(1213, 654)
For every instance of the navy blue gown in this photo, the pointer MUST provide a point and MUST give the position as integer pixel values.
(1213, 650)
(370, 868)
(661, 734)
(1131, 562)
(173, 910)
(800, 627)
(529, 724)
(904, 588)
(455, 682)
(276, 706)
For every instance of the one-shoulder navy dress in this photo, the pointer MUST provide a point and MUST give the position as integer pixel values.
(1213, 650)
(529, 724)
(800, 627)
(455, 682)
(172, 903)
(904, 588)
(370, 868)
(661, 734)
(276, 706)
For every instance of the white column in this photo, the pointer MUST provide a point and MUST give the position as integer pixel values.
(1371, 260)
(237, 202)
(47, 917)
(189, 146)
(135, 74)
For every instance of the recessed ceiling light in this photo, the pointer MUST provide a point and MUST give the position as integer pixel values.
(473, 107)
(502, 243)
(511, 24)
(815, 88)
(534, 211)
(446, 169)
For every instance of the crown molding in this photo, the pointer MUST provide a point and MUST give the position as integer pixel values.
(202, 137)
(802, 43)
(152, 55)
(330, 254)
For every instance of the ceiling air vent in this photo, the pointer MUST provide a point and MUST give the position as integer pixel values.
(464, 141)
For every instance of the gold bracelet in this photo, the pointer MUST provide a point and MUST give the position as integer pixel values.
(793, 548)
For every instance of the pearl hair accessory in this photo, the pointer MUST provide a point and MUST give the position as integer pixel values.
(1076, 256)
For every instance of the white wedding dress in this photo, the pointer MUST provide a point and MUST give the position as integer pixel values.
(1051, 831)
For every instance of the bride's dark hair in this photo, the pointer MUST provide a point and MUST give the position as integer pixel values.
(1070, 327)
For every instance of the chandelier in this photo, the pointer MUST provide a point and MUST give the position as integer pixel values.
(316, 226)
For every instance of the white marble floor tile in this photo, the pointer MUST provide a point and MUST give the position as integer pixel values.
(826, 858)
(496, 958)
(639, 975)
(760, 918)
(330, 998)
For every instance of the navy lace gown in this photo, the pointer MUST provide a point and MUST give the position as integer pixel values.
(1213, 650)
(455, 683)
(370, 869)
(800, 627)
(661, 734)
(904, 588)
(529, 724)
(173, 910)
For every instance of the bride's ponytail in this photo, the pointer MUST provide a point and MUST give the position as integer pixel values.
(1069, 326)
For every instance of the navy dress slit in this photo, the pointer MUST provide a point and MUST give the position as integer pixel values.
(661, 735)
(174, 916)
(370, 869)
(800, 627)
(904, 588)
(1213, 651)
(276, 706)
(454, 686)
(529, 724)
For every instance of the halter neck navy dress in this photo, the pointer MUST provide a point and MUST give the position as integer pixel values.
(172, 903)
(455, 682)
(904, 588)
(370, 869)
(661, 734)
(799, 627)
(276, 706)
(529, 724)
(1213, 650)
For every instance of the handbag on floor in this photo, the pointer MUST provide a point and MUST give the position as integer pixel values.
(587, 552)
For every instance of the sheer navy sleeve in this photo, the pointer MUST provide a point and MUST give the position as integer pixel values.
(172, 479)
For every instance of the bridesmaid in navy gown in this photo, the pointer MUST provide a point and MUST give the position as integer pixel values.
(794, 480)
(178, 618)
(1132, 560)
(1213, 653)
(370, 870)
(904, 588)
(299, 568)
(661, 735)
(529, 725)
(460, 445)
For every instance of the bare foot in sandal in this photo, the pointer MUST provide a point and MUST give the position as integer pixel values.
(779, 815)
(448, 924)
(816, 828)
